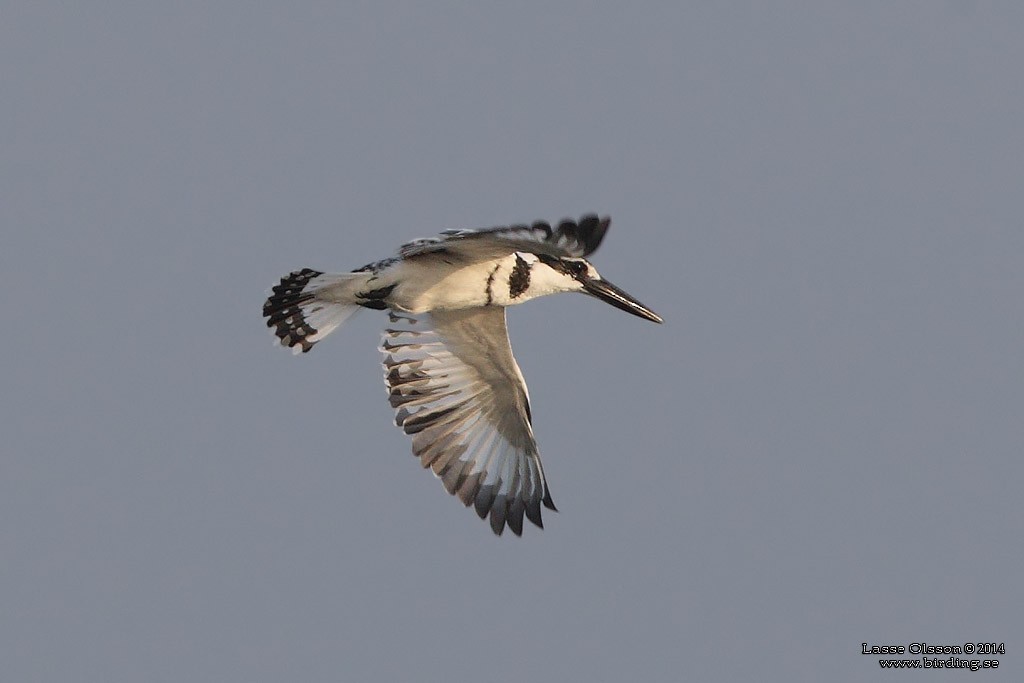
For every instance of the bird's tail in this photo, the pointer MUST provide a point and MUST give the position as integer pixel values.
(308, 305)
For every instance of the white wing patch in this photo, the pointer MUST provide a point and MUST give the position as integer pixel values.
(458, 392)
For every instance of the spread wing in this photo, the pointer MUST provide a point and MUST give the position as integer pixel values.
(459, 394)
(569, 238)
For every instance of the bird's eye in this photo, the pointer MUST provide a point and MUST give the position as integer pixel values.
(577, 268)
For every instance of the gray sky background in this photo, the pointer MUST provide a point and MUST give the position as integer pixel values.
(821, 446)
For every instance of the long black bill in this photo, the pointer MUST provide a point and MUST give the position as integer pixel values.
(606, 291)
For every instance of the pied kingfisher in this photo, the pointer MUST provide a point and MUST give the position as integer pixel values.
(448, 366)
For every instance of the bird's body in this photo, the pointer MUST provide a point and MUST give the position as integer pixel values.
(448, 364)
(422, 285)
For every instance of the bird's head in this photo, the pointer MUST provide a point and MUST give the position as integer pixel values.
(568, 274)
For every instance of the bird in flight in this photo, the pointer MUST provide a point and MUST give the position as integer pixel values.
(448, 366)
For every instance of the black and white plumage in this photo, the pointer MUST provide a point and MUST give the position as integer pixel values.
(451, 377)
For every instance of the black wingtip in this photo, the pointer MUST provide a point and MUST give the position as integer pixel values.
(515, 515)
(548, 503)
(533, 512)
(589, 230)
(498, 510)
